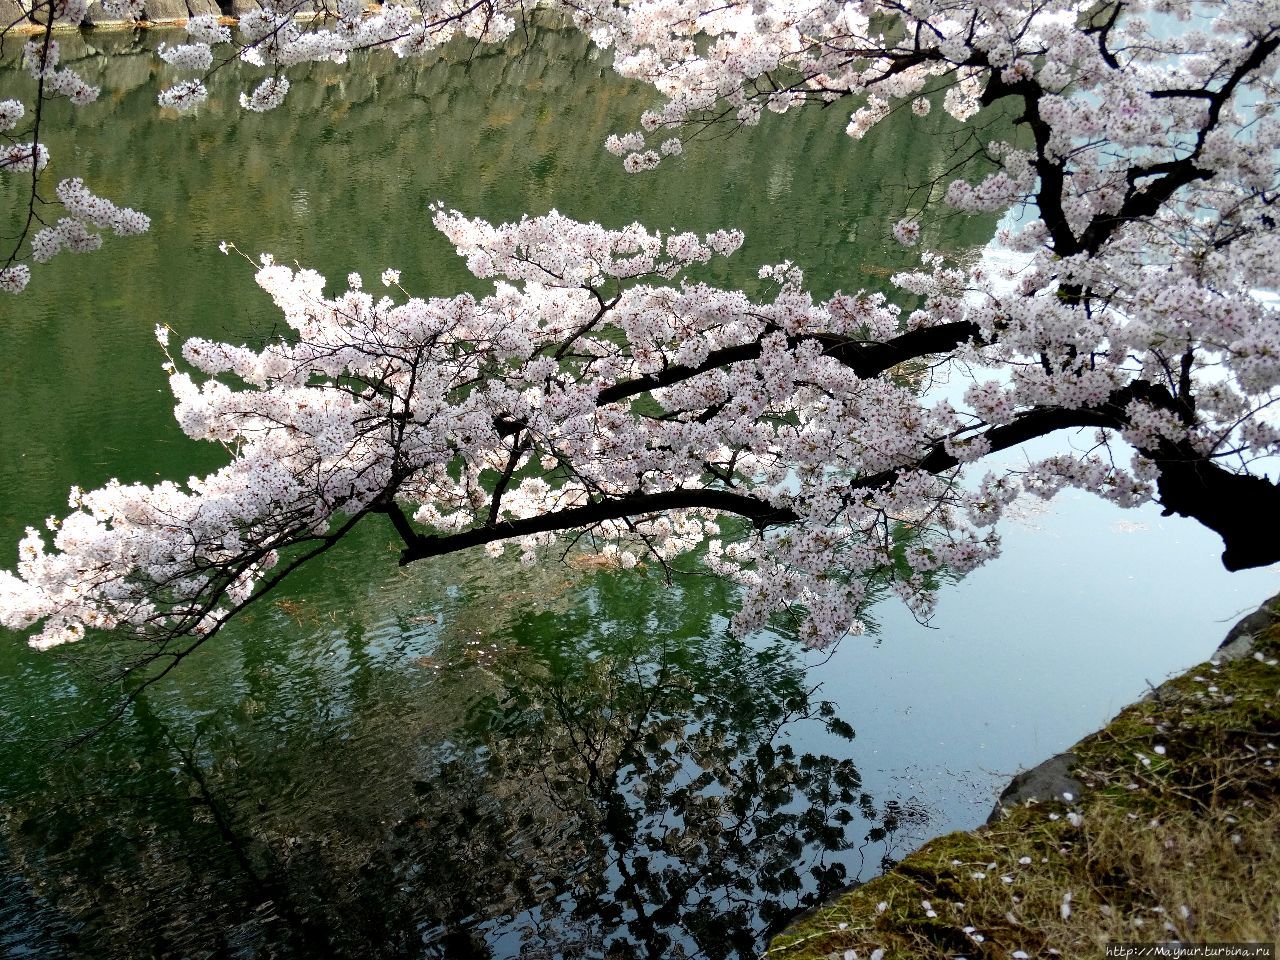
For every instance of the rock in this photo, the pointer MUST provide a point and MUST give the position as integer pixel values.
(160, 10)
(200, 8)
(99, 17)
(1043, 783)
(10, 11)
(1239, 640)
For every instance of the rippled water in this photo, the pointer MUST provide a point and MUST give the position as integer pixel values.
(468, 758)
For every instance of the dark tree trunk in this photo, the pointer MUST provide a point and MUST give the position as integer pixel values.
(1243, 510)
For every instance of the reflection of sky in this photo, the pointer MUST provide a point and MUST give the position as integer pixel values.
(1087, 605)
(1036, 649)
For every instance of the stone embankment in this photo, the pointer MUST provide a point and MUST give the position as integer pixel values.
(155, 12)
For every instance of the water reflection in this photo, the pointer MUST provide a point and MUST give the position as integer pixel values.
(624, 784)
(449, 760)
(654, 777)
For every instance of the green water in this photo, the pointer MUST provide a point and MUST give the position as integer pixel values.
(467, 757)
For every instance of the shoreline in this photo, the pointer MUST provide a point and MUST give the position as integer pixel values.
(1176, 799)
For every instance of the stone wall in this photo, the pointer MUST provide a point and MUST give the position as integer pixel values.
(154, 11)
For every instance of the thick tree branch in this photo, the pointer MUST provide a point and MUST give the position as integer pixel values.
(865, 359)
(758, 511)
(518, 447)
(1241, 508)
(410, 536)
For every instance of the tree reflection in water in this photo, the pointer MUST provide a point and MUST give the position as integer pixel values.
(646, 804)
(637, 786)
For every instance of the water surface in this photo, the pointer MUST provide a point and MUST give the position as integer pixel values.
(469, 758)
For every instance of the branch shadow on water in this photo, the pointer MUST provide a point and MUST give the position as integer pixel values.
(625, 780)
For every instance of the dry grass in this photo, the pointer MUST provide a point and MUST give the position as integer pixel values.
(1176, 837)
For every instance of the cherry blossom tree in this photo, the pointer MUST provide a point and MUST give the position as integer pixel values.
(600, 399)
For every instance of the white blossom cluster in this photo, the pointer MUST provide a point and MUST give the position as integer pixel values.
(271, 37)
(183, 96)
(187, 56)
(598, 388)
(23, 157)
(326, 427)
(208, 29)
(424, 403)
(11, 112)
(70, 13)
(74, 233)
(41, 57)
(125, 9)
(267, 95)
(15, 277)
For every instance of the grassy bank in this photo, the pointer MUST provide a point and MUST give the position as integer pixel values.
(1175, 835)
